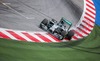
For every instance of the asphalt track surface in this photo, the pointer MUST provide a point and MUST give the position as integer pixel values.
(27, 14)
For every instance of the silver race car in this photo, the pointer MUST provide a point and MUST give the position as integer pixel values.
(59, 29)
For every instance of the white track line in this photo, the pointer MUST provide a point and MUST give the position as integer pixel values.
(5, 4)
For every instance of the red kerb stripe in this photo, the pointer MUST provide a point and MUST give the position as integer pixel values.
(54, 38)
(31, 37)
(90, 11)
(44, 38)
(90, 7)
(83, 31)
(89, 19)
(85, 27)
(79, 34)
(89, 2)
(74, 37)
(88, 24)
(16, 35)
(90, 15)
(4, 36)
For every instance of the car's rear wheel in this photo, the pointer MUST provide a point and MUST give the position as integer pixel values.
(44, 24)
(70, 35)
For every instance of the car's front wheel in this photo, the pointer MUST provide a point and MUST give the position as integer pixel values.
(44, 24)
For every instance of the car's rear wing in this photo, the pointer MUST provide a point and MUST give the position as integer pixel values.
(68, 22)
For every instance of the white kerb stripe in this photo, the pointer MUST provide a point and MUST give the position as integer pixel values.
(73, 39)
(81, 33)
(90, 14)
(22, 35)
(37, 37)
(89, 22)
(90, 4)
(91, 9)
(8, 34)
(77, 34)
(84, 29)
(64, 40)
(47, 36)
(87, 26)
(90, 18)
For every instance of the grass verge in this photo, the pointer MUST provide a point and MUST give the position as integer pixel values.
(87, 49)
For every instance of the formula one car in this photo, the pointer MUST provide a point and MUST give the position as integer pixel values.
(59, 29)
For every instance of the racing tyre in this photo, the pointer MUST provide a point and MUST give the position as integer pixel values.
(44, 24)
(70, 35)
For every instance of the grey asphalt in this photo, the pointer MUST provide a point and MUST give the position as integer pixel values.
(27, 14)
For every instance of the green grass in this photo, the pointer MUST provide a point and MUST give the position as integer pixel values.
(87, 49)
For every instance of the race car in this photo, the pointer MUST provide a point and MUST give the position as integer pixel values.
(59, 29)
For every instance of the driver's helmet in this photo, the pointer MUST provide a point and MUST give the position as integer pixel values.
(53, 20)
(62, 22)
